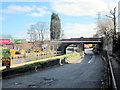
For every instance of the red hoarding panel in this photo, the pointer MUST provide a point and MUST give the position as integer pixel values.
(4, 41)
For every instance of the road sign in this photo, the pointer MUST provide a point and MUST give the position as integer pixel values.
(4, 41)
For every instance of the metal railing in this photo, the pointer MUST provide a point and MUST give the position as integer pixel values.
(112, 80)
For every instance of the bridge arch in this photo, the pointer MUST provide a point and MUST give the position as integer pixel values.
(64, 43)
(63, 47)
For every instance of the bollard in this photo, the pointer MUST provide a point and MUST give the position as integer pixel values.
(62, 61)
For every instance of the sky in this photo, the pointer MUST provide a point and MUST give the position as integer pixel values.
(78, 17)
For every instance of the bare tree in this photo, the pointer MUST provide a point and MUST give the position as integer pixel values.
(33, 33)
(38, 31)
(104, 26)
(113, 17)
(62, 34)
(41, 29)
(96, 35)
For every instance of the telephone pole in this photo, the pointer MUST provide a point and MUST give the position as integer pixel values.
(114, 20)
(98, 19)
(113, 17)
(99, 16)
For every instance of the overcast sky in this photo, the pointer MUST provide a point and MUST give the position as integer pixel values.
(78, 17)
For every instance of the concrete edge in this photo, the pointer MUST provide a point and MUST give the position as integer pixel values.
(27, 68)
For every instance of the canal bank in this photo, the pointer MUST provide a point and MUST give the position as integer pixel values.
(35, 65)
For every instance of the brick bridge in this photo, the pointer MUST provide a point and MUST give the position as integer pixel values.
(61, 45)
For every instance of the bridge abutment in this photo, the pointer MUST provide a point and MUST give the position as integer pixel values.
(80, 47)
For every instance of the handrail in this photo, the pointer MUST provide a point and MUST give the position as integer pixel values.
(112, 74)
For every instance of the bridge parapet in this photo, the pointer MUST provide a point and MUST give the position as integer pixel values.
(83, 39)
(92, 39)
